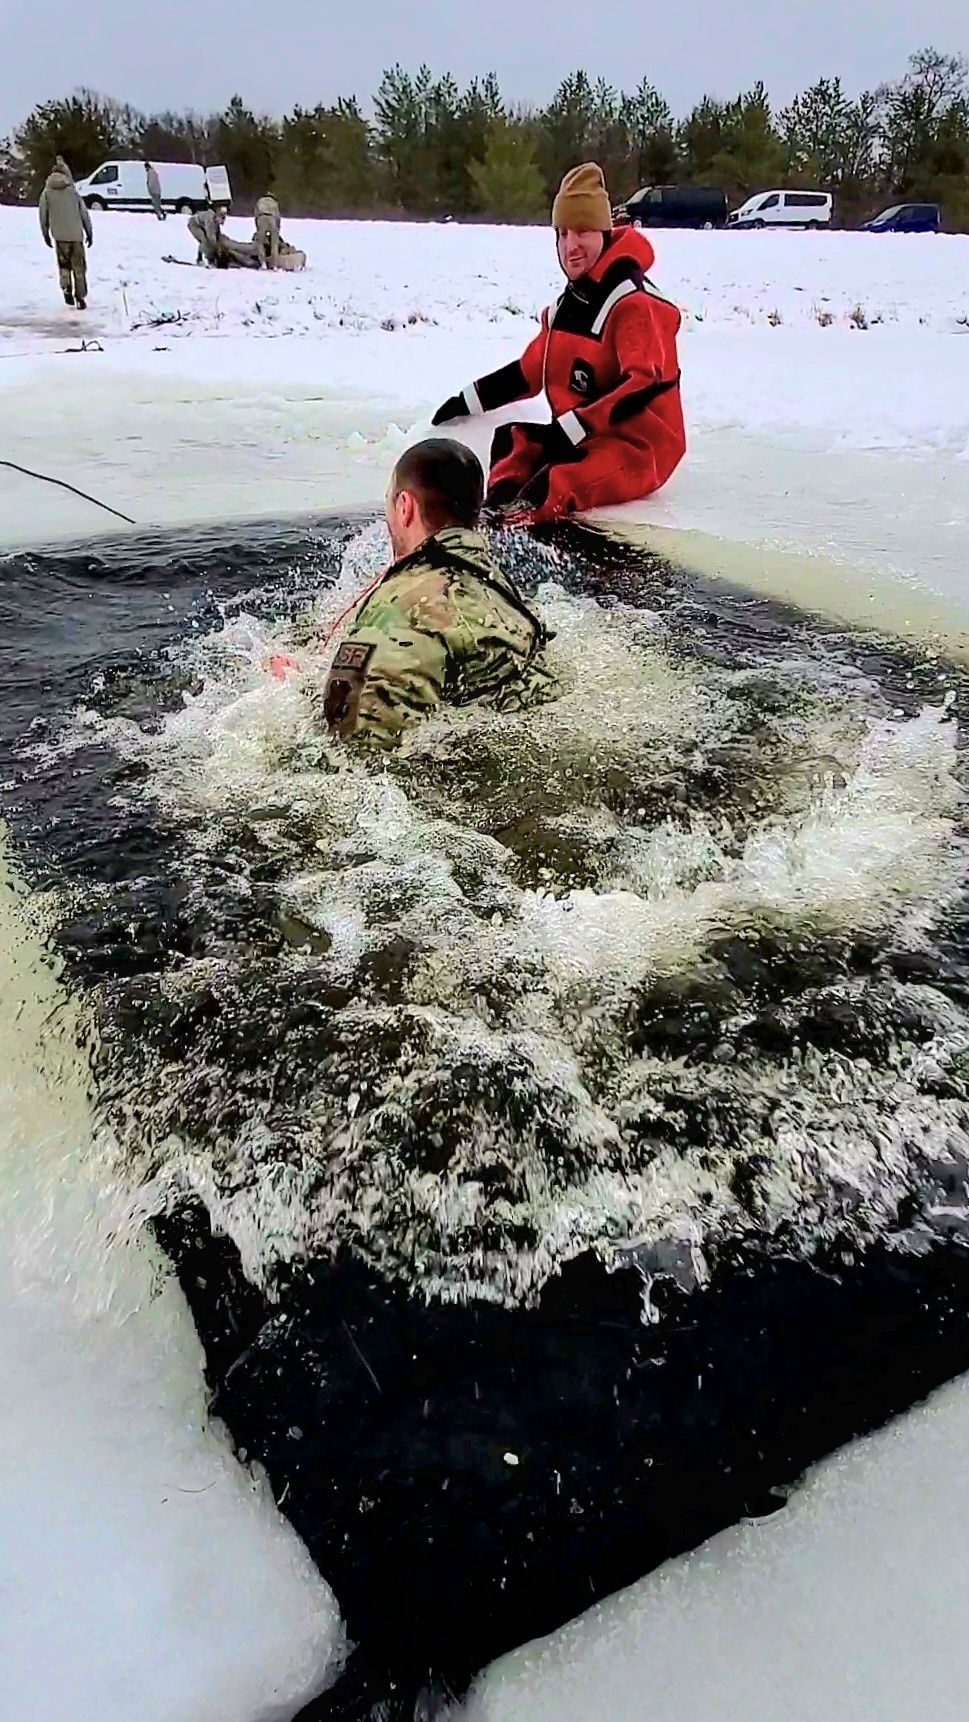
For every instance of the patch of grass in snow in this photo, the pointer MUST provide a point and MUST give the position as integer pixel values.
(165, 319)
(858, 318)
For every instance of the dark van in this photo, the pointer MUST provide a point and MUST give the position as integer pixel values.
(906, 218)
(676, 206)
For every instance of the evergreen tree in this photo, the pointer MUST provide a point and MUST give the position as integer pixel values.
(734, 144)
(85, 129)
(830, 141)
(507, 180)
(12, 188)
(435, 149)
(568, 129)
(401, 110)
(651, 134)
(326, 161)
(813, 128)
(609, 142)
(480, 110)
(428, 135)
(445, 128)
(246, 146)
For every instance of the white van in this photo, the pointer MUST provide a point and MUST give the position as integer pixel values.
(185, 186)
(784, 209)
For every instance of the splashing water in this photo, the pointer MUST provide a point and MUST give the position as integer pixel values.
(574, 977)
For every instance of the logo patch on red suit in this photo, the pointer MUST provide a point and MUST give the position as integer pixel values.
(582, 381)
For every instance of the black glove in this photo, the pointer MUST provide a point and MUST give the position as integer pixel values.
(555, 445)
(455, 408)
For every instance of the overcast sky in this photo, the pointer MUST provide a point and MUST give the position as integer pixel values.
(196, 53)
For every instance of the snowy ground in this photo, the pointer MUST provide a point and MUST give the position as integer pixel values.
(220, 394)
(216, 395)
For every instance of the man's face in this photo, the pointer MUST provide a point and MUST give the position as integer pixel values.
(579, 250)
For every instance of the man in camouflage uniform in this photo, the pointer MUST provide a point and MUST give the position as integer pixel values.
(444, 625)
(65, 223)
(206, 230)
(267, 232)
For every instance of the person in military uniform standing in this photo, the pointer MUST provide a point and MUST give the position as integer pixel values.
(65, 224)
(444, 625)
(268, 221)
(153, 187)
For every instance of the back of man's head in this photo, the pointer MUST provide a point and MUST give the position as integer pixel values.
(445, 479)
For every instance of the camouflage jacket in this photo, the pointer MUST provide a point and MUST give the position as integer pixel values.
(445, 625)
(63, 217)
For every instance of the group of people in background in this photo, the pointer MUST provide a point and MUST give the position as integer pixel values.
(266, 250)
(66, 226)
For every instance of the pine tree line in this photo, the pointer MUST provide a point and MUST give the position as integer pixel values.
(432, 149)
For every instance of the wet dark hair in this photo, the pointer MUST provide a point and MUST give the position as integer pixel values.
(446, 479)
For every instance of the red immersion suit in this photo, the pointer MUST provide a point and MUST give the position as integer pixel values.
(606, 359)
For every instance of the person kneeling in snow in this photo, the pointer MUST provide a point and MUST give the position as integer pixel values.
(443, 625)
(206, 229)
(606, 359)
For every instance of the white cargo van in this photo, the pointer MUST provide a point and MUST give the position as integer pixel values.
(784, 209)
(185, 186)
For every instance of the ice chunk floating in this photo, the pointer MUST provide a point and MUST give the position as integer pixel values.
(560, 1132)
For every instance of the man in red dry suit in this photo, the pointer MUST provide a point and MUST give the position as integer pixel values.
(605, 358)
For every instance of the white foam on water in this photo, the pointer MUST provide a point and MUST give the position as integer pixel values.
(852, 831)
(145, 1571)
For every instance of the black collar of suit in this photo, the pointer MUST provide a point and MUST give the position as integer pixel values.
(582, 301)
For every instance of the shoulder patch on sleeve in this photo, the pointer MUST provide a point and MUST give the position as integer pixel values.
(353, 655)
(344, 686)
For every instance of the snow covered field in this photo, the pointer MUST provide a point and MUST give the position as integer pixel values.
(827, 386)
(220, 394)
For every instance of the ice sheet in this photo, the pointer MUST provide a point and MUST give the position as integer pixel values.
(145, 1572)
(848, 1605)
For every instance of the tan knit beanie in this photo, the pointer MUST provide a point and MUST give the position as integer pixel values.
(583, 201)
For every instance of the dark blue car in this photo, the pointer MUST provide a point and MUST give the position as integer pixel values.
(906, 218)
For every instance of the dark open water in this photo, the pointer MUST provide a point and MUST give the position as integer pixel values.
(560, 1134)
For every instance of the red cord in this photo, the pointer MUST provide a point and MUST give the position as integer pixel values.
(281, 663)
(353, 605)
